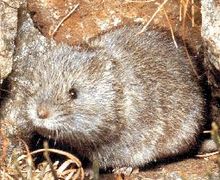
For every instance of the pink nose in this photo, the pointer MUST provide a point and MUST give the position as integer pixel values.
(43, 112)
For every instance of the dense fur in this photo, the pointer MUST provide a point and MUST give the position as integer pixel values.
(136, 98)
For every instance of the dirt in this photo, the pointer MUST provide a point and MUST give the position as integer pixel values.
(190, 169)
(85, 18)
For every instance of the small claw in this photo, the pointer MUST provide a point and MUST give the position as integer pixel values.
(124, 171)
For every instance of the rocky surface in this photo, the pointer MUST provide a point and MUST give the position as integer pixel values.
(8, 30)
(211, 38)
(74, 21)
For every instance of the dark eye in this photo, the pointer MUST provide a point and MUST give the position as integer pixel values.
(73, 93)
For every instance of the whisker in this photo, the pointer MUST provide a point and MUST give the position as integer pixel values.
(38, 141)
(55, 142)
(63, 115)
(24, 90)
(5, 90)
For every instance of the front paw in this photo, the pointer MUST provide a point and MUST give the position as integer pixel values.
(126, 171)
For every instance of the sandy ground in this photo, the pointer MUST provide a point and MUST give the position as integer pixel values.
(190, 169)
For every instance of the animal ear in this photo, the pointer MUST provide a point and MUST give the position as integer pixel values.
(73, 93)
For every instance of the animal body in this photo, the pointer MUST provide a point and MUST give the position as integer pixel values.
(127, 100)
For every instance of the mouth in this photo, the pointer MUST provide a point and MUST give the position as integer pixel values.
(48, 133)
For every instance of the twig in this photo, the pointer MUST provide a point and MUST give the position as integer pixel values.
(195, 25)
(181, 7)
(70, 156)
(80, 170)
(185, 9)
(62, 20)
(184, 18)
(5, 143)
(152, 17)
(29, 159)
(5, 175)
(190, 60)
(47, 157)
(184, 35)
(207, 132)
(207, 154)
(171, 29)
(18, 170)
(193, 12)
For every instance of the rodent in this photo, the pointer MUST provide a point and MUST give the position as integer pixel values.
(128, 100)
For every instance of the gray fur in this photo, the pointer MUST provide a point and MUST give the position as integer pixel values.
(137, 97)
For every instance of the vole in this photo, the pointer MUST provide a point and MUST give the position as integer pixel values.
(128, 99)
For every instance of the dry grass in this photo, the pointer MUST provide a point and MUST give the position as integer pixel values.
(216, 138)
(23, 167)
(63, 19)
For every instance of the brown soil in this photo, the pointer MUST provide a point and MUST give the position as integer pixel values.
(90, 18)
(190, 169)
